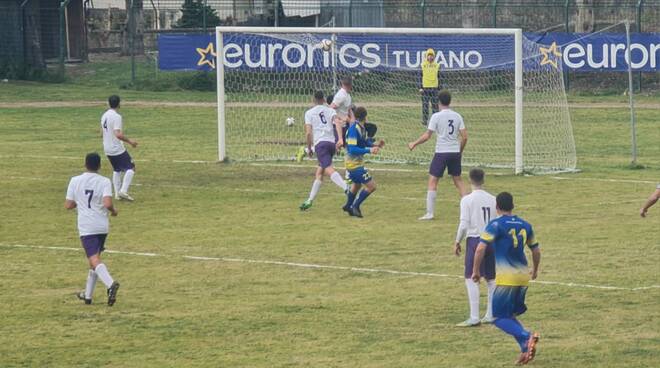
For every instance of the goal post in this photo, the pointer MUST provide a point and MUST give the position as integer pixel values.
(269, 74)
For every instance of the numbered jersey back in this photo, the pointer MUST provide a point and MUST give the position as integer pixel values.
(321, 117)
(477, 208)
(88, 190)
(446, 124)
(111, 121)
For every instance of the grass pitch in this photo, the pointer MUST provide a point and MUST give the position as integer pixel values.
(254, 307)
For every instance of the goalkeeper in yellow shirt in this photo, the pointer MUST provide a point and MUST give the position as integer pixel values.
(430, 85)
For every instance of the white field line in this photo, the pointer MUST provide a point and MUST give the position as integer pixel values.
(605, 180)
(328, 267)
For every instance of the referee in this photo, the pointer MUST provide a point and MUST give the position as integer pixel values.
(430, 85)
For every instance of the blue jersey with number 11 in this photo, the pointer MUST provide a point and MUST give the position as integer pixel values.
(509, 235)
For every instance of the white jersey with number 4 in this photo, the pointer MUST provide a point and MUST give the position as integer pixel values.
(321, 118)
(477, 209)
(88, 190)
(111, 121)
(343, 102)
(446, 124)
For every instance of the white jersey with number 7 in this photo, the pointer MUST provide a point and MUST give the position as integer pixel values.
(88, 190)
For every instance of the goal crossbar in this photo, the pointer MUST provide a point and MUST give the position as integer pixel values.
(518, 67)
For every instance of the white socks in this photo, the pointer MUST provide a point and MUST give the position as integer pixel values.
(91, 282)
(102, 272)
(473, 297)
(315, 189)
(116, 181)
(337, 179)
(491, 290)
(128, 177)
(430, 202)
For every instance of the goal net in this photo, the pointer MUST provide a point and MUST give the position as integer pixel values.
(508, 89)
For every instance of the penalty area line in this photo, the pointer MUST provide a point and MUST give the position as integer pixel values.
(327, 267)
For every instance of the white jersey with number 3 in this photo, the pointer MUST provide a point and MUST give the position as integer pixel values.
(477, 209)
(446, 124)
(321, 118)
(343, 102)
(88, 190)
(111, 121)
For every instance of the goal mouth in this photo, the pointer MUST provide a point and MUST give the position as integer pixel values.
(511, 98)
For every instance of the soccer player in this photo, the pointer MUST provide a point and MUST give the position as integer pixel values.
(430, 85)
(320, 130)
(508, 235)
(655, 196)
(476, 211)
(91, 194)
(357, 145)
(113, 138)
(342, 105)
(450, 128)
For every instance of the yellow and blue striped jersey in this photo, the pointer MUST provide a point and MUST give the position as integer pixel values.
(357, 144)
(508, 235)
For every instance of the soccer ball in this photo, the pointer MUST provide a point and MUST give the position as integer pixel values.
(326, 45)
(290, 121)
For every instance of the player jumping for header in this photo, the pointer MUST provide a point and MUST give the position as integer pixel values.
(113, 138)
(342, 105)
(91, 194)
(508, 235)
(357, 145)
(449, 127)
(320, 130)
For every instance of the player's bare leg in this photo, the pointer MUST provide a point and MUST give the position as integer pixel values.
(431, 194)
(460, 186)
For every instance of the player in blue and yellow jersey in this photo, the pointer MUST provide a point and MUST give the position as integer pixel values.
(508, 235)
(357, 145)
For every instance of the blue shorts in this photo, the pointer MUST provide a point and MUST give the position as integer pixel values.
(93, 244)
(509, 301)
(121, 162)
(359, 175)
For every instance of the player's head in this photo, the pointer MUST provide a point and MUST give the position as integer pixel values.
(430, 55)
(113, 101)
(445, 97)
(319, 97)
(360, 114)
(93, 162)
(477, 177)
(329, 99)
(504, 202)
(347, 83)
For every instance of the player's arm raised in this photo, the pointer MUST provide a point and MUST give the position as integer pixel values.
(423, 138)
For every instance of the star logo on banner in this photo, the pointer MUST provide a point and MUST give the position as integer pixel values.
(550, 54)
(204, 58)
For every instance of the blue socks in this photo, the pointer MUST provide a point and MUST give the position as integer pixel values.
(361, 197)
(350, 197)
(514, 328)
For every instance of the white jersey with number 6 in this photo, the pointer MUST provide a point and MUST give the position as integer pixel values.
(88, 190)
(111, 121)
(321, 118)
(477, 209)
(446, 124)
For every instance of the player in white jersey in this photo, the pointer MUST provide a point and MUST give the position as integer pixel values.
(342, 103)
(113, 138)
(91, 194)
(450, 143)
(477, 209)
(655, 196)
(321, 124)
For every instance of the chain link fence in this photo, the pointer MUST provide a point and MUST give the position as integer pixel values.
(55, 32)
